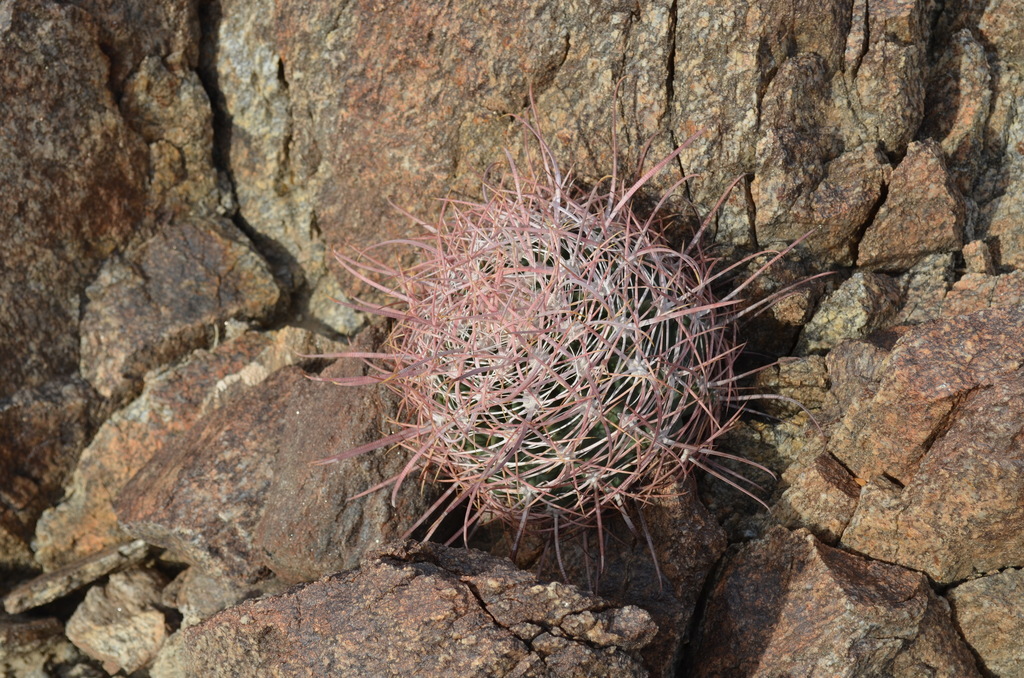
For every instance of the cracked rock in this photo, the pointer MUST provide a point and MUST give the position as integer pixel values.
(424, 610)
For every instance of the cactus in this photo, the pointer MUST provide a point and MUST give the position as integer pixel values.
(553, 357)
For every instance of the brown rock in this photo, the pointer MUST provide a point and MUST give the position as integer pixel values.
(978, 258)
(687, 542)
(43, 431)
(974, 292)
(203, 496)
(72, 178)
(962, 511)
(84, 522)
(28, 647)
(957, 104)
(54, 585)
(821, 498)
(788, 605)
(118, 623)
(990, 614)
(929, 371)
(423, 610)
(254, 141)
(166, 297)
(171, 402)
(924, 287)
(862, 304)
(923, 214)
(311, 525)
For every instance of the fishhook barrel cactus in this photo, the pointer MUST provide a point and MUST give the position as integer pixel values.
(553, 357)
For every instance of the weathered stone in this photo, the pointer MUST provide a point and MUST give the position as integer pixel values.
(962, 511)
(44, 431)
(821, 498)
(168, 29)
(974, 292)
(72, 178)
(862, 304)
(166, 297)
(425, 610)
(957, 104)
(54, 585)
(923, 214)
(255, 138)
(930, 370)
(879, 93)
(990, 614)
(171, 661)
(924, 287)
(171, 402)
(29, 647)
(118, 623)
(978, 258)
(203, 496)
(170, 109)
(788, 605)
(686, 542)
(312, 524)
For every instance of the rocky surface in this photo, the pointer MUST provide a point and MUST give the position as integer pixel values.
(444, 612)
(173, 177)
(788, 605)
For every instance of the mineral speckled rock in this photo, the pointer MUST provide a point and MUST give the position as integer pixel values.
(72, 184)
(424, 610)
(51, 586)
(311, 525)
(974, 292)
(821, 498)
(43, 431)
(171, 401)
(862, 304)
(788, 605)
(118, 623)
(929, 371)
(203, 496)
(164, 298)
(990, 614)
(962, 511)
(29, 647)
(923, 213)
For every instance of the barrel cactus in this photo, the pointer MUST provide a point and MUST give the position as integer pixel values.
(553, 357)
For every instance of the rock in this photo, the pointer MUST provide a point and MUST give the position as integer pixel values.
(118, 623)
(923, 214)
(171, 661)
(803, 382)
(170, 108)
(974, 292)
(203, 496)
(924, 287)
(978, 258)
(159, 301)
(962, 511)
(862, 304)
(54, 585)
(33, 647)
(990, 614)
(172, 400)
(821, 498)
(73, 185)
(425, 610)
(255, 137)
(44, 431)
(311, 523)
(788, 605)
(957, 103)
(929, 371)
(687, 543)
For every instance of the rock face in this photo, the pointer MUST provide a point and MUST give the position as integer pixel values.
(424, 610)
(174, 174)
(788, 605)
